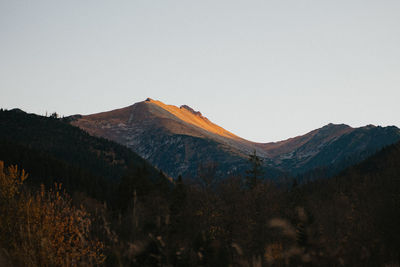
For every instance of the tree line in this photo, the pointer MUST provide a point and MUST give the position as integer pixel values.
(348, 220)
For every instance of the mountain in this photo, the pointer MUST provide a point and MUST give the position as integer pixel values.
(175, 139)
(332, 147)
(179, 139)
(351, 219)
(55, 151)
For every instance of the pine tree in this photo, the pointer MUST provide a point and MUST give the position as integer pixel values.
(254, 174)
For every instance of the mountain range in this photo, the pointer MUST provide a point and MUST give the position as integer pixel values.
(178, 140)
(132, 203)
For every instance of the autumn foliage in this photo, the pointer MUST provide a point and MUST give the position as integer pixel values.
(43, 228)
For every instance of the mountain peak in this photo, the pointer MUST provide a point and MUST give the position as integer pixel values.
(333, 125)
(188, 115)
(332, 130)
(161, 104)
(198, 113)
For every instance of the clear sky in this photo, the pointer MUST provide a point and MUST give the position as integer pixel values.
(264, 70)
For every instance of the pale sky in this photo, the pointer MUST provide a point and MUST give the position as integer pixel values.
(264, 70)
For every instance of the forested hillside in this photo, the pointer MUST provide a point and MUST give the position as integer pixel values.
(143, 220)
(54, 151)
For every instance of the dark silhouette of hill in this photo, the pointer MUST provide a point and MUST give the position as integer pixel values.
(55, 151)
(358, 210)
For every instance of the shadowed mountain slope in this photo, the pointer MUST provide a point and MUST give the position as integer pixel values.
(54, 151)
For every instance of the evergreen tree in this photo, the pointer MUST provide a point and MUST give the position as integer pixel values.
(254, 174)
(54, 115)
